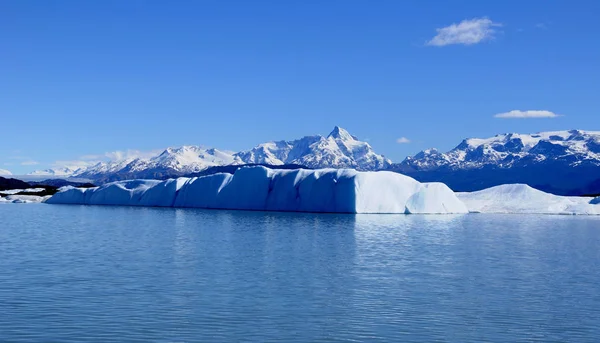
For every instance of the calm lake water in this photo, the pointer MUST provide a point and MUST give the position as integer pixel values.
(122, 274)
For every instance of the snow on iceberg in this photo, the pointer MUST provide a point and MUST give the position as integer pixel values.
(520, 198)
(446, 200)
(28, 190)
(260, 188)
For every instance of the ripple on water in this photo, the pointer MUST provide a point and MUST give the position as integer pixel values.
(102, 274)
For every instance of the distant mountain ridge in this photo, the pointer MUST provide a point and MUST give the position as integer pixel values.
(339, 149)
(65, 171)
(562, 162)
(8, 183)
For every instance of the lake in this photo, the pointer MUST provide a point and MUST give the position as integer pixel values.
(125, 274)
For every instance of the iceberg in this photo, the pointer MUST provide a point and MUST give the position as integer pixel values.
(263, 189)
(420, 202)
(520, 198)
(323, 190)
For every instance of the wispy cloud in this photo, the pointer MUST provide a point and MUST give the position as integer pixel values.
(73, 164)
(118, 155)
(467, 32)
(29, 163)
(22, 160)
(130, 153)
(518, 114)
(541, 26)
(402, 140)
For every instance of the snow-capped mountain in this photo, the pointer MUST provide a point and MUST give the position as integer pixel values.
(65, 171)
(338, 150)
(171, 162)
(565, 162)
(5, 172)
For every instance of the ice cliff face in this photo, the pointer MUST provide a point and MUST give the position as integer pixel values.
(338, 150)
(546, 160)
(324, 190)
(263, 189)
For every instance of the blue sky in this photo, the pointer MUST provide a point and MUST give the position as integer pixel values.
(81, 78)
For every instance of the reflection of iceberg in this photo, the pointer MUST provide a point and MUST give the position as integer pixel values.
(519, 198)
(259, 188)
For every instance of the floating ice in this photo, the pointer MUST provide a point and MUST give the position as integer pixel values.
(445, 200)
(263, 189)
(28, 190)
(519, 198)
(23, 199)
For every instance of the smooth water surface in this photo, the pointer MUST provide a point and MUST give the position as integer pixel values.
(124, 274)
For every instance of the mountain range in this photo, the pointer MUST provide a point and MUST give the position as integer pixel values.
(561, 162)
(339, 149)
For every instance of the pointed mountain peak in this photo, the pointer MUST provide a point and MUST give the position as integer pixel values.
(339, 133)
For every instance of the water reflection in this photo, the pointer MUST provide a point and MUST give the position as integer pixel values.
(81, 273)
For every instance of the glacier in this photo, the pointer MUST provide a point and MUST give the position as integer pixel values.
(263, 189)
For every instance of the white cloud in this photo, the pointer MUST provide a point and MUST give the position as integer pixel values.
(541, 26)
(120, 155)
(402, 140)
(527, 114)
(467, 32)
(73, 164)
(91, 157)
(29, 163)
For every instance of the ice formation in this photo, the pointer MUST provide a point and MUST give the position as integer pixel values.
(263, 189)
(324, 190)
(23, 199)
(28, 190)
(520, 198)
